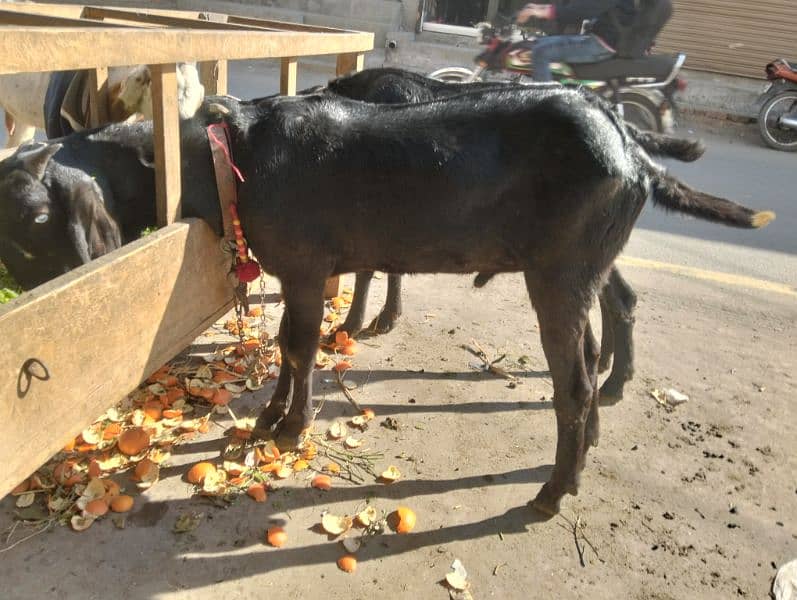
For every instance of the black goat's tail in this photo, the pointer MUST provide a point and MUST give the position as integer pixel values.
(671, 194)
(659, 144)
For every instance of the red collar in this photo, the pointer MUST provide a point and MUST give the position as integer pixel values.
(226, 172)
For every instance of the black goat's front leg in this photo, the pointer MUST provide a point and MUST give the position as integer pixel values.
(304, 303)
(274, 412)
(356, 317)
(562, 312)
(391, 311)
(621, 301)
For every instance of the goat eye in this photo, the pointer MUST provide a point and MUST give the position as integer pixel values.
(41, 218)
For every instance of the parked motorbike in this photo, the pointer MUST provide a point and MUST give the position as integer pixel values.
(777, 119)
(642, 88)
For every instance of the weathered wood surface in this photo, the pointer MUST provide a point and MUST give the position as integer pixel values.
(53, 49)
(98, 332)
(14, 17)
(98, 96)
(288, 76)
(348, 62)
(166, 129)
(213, 75)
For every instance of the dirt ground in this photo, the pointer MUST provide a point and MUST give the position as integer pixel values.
(698, 502)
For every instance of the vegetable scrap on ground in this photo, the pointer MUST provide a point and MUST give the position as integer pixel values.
(99, 473)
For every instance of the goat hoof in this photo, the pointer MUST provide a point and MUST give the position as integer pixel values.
(287, 441)
(290, 434)
(610, 394)
(547, 502)
(270, 417)
(382, 324)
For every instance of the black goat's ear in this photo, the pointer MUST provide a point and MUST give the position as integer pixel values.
(35, 161)
(92, 231)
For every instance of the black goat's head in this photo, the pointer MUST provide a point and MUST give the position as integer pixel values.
(51, 220)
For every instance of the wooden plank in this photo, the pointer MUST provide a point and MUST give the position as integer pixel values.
(349, 62)
(333, 287)
(98, 331)
(54, 49)
(166, 128)
(282, 25)
(98, 96)
(213, 75)
(71, 11)
(6, 152)
(288, 74)
(10, 17)
(101, 13)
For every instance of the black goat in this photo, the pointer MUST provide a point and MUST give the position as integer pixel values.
(544, 181)
(617, 298)
(480, 182)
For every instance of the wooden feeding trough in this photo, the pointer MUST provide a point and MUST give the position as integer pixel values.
(76, 345)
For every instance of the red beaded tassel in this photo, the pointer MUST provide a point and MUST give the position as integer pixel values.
(246, 269)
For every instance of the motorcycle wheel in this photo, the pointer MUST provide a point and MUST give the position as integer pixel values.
(452, 75)
(640, 111)
(774, 135)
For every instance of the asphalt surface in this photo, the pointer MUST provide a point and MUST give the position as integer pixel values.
(736, 165)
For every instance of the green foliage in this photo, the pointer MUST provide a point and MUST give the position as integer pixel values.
(9, 289)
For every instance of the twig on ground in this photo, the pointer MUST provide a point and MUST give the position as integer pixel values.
(347, 393)
(490, 366)
(27, 537)
(577, 529)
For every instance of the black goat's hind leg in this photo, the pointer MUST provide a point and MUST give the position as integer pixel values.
(278, 405)
(591, 351)
(621, 302)
(354, 320)
(391, 311)
(305, 305)
(562, 312)
(607, 332)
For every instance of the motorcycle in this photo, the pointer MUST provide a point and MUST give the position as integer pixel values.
(777, 119)
(642, 88)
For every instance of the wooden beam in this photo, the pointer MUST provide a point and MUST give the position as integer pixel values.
(96, 333)
(288, 75)
(98, 96)
(71, 11)
(24, 49)
(349, 62)
(282, 25)
(213, 75)
(11, 17)
(6, 152)
(100, 13)
(166, 127)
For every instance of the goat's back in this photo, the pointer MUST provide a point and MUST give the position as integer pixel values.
(496, 179)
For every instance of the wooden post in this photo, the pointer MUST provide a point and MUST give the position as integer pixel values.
(288, 74)
(98, 96)
(347, 63)
(167, 142)
(213, 75)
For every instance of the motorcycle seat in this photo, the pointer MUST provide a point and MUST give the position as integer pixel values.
(658, 67)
